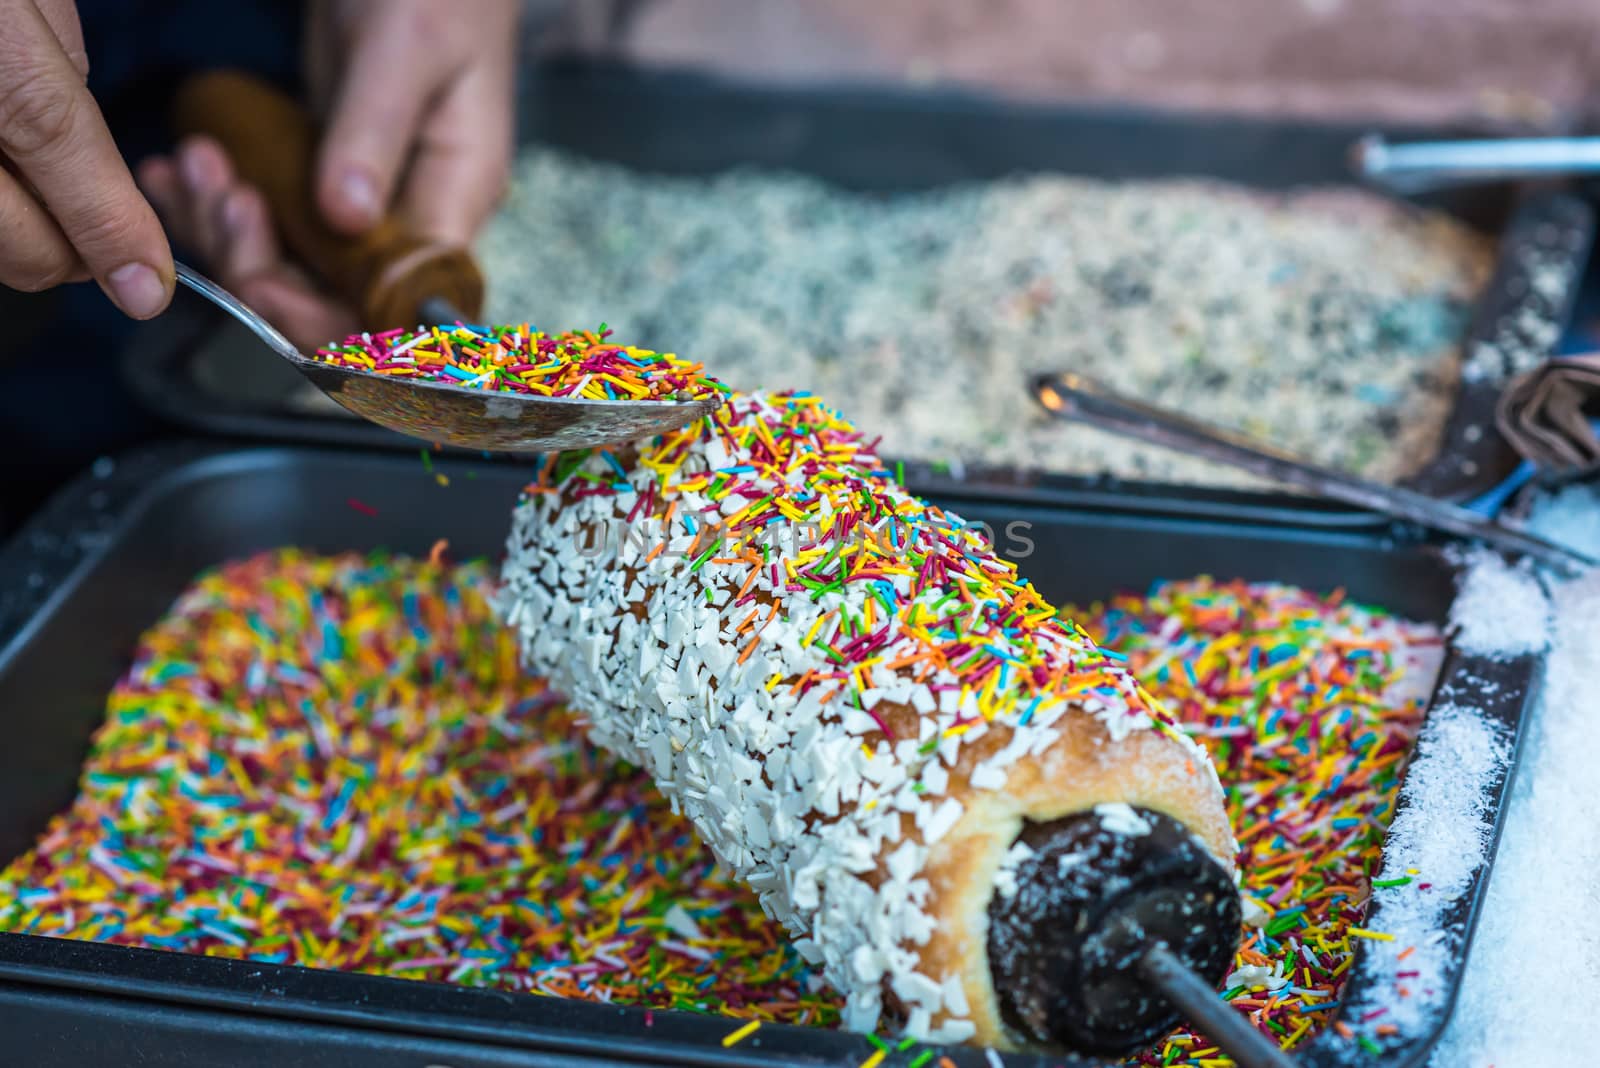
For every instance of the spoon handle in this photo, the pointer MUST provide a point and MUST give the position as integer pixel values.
(388, 273)
(1074, 398)
(237, 308)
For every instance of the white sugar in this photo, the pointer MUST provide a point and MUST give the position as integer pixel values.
(1500, 610)
(1439, 840)
(1534, 972)
(1571, 517)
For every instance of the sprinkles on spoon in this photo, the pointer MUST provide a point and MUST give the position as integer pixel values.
(335, 762)
(579, 364)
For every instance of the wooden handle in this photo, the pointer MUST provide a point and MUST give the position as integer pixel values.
(388, 272)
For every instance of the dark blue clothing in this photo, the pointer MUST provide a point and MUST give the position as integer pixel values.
(57, 414)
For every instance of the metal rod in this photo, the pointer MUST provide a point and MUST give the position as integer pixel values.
(1248, 1047)
(1426, 164)
(1077, 399)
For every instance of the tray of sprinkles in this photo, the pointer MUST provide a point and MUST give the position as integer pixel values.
(282, 787)
(956, 243)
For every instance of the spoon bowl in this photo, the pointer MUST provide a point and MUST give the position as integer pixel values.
(483, 420)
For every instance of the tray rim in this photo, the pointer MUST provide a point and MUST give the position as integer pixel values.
(135, 484)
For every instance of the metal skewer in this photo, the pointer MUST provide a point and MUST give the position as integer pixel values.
(1077, 399)
(1248, 1047)
(1431, 164)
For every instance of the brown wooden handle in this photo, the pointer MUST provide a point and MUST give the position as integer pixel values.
(388, 272)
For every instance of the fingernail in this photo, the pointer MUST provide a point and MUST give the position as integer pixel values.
(361, 193)
(137, 289)
(193, 170)
(233, 215)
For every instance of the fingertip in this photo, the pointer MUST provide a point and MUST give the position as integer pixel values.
(139, 290)
(157, 178)
(252, 249)
(243, 212)
(204, 165)
(155, 169)
(349, 197)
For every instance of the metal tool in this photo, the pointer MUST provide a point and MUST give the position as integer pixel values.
(1412, 168)
(1111, 952)
(1077, 399)
(1248, 1047)
(455, 415)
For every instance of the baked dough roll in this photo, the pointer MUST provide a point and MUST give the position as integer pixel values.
(871, 719)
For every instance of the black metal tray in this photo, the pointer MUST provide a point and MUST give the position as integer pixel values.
(204, 372)
(105, 558)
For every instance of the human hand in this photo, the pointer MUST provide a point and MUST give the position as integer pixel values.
(433, 147)
(69, 209)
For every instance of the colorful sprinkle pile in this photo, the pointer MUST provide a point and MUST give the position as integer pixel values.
(579, 364)
(1309, 707)
(335, 762)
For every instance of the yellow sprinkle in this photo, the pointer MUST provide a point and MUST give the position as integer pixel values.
(776, 678)
(1362, 932)
(740, 1035)
(874, 1060)
(1295, 1035)
(637, 391)
(865, 750)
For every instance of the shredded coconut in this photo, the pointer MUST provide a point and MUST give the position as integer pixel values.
(1005, 880)
(1535, 964)
(1571, 517)
(1500, 610)
(1120, 818)
(1438, 839)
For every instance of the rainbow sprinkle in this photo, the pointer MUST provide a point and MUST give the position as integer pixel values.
(579, 364)
(335, 762)
(1309, 707)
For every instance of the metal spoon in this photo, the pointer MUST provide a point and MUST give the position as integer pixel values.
(1077, 399)
(467, 418)
(1421, 165)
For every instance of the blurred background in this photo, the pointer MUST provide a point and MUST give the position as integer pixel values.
(1512, 66)
(1523, 61)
